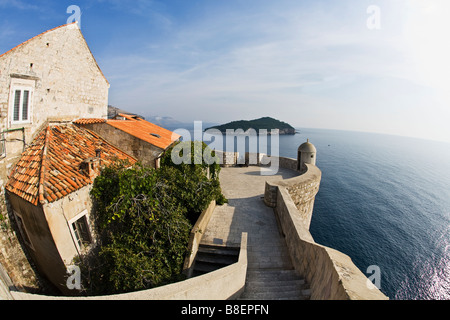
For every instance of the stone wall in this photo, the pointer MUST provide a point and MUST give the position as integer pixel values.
(65, 81)
(222, 284)
(43, 251)
(331, 274)
(145, 152)
(15, 260)
(196, 237)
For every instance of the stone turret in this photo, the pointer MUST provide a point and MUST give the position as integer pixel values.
(306, 154)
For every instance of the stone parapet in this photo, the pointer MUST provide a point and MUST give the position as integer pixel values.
(331, 274)
(196, 237)
(222, 284)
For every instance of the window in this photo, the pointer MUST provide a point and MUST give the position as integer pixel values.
(2, 145)
(21, 105)
(20, 100)
(80, 230)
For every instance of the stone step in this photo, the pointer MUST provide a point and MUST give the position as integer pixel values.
(218, 250)
(287, 295)
(275, 284)
(210, 258)
(275, 293)
(272, 274)
(216, 259)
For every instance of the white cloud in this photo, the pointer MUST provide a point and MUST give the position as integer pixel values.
(321, 64)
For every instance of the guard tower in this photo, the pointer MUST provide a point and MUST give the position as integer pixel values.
(306, 154)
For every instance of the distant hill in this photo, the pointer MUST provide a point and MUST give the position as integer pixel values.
(114, 111)
(164, 121)
(257, 124)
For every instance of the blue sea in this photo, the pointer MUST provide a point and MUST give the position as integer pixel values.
(385, 201)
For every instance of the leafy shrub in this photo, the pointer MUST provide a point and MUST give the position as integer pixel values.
(195, 190)
(143, 218)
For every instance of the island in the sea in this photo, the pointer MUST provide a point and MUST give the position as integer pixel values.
(267, 123)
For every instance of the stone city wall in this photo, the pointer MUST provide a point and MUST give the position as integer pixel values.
(331, 274)
(222, 284)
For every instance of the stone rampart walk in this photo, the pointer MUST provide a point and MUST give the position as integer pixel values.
(246, 212)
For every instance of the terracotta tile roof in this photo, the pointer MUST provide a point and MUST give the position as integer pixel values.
(89, 121)
(144, 130)
(50, 168)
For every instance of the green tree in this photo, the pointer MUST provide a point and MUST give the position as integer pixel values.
(142, 230)
(199, 183)
(143, 219)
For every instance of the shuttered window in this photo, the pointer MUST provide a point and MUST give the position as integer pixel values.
(21, 105)
(17, 105)
(25, 102)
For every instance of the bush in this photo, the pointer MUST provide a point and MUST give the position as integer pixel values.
(200, 183)
(143, 231)
(143, 218)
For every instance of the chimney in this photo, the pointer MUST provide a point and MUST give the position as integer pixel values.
(91, 167)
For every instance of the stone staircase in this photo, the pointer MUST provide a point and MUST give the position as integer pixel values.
(274, 284)
(261, 284)
(211, 257)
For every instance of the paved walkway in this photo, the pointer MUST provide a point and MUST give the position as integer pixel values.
(246, 212)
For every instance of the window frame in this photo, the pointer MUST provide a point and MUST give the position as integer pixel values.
(2, 145)
(76, 240)
(21, 85)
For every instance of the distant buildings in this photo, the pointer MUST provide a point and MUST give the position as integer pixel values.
(55, 137)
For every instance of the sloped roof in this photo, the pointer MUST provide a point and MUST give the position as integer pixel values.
(73, 25)
(50, 168)
(144, 130)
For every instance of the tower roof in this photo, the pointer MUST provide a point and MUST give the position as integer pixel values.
(307, 147)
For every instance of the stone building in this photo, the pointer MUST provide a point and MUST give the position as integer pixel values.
(47, 163)
(139, 138)
(52, 76)
(48, 191)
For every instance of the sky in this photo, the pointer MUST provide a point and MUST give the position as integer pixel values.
(362, 65)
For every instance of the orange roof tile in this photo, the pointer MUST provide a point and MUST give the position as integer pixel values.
(144, 130)
(50, 167)
(89, 121)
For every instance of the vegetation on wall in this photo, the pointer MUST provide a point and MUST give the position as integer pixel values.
(143, 220)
